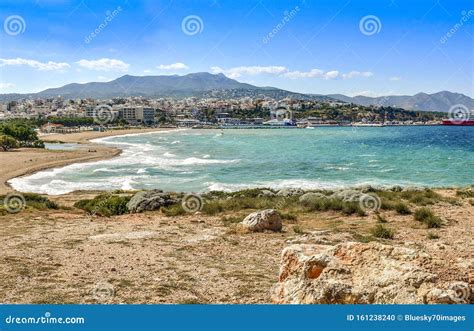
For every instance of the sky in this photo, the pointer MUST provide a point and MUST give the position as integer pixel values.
(352, 47)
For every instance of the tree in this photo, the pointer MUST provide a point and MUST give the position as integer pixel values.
(7, 142)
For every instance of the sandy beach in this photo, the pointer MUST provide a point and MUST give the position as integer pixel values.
(24, 161)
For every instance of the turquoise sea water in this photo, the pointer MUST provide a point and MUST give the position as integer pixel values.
(326, 157)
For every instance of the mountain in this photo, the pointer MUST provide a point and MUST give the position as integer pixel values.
(438, 102)
(200, 84)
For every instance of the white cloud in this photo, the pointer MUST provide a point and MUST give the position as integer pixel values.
(6, 86)
(354, 74)
(147, 71)
(395, 78)
(252, 70)
(43, 66)
(285, 72)
(104, 64)
(174, 66)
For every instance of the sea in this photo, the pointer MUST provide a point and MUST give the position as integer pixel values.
(190, 160)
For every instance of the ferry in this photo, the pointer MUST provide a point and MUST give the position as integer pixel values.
(458, 122)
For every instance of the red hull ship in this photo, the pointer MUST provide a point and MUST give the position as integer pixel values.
(458, 122)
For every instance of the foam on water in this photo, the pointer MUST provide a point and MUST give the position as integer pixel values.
(322, 158)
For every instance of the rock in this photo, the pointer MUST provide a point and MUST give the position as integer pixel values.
(397, 188)
(266, 193)
(413, 188)
(149, 200)
(310, 198)
(267, 219)
(347, 195)
(288, 192)
(366, 188)
(350, 273)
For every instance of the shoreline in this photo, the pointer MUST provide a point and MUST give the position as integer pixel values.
(26, 161)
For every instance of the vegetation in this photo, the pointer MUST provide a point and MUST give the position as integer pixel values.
(426, 216)
(431, 235)
(15, 134)
(105, 205)
(380, 231)
(298, 230)
(31, 200)
(7, 143)
(380, 218)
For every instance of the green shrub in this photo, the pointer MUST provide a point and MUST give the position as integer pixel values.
(381, 231)
(105, 205)
(402, 208)
(173, 210)
(427, 217)
(39, 202)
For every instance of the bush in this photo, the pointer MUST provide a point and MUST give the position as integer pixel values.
(427, 217)
(380, 231)
(402, 208)
(105, 205)
(173, 210)
(39, 202)
(7, 143)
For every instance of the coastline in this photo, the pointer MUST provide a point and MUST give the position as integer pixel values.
(26, 161)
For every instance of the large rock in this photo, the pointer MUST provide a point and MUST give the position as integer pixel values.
(149, 200)
(352, 272)
(311, 198)
(267, 219)
(289, 192)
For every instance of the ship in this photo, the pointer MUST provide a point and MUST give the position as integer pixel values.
(458, 122)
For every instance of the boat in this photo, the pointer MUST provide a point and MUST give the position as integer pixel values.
(458, 122)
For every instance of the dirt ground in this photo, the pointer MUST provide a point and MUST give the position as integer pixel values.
(67, 256)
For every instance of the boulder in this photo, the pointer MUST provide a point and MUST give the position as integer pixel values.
(267, 219)
(311, 198)
(347, 195)
(266, 193)
(149, 200)
(288, 192)
(356, 273)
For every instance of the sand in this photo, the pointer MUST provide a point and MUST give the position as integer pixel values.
(24, 161)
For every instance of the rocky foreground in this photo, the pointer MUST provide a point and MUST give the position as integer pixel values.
(253, 246)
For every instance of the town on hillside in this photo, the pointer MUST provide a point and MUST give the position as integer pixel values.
(70, 115)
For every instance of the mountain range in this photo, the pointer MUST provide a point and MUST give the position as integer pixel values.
(204, 84)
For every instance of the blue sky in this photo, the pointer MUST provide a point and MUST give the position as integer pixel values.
(312, 46)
